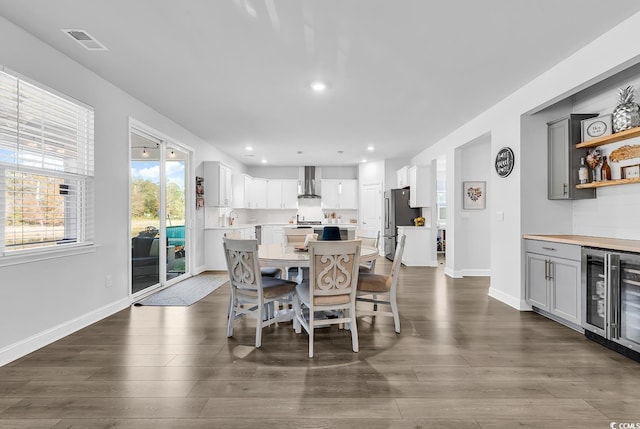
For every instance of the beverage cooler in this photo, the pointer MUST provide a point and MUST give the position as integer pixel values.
(611, 298)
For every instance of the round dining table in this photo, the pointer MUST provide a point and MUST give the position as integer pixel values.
(281, 255)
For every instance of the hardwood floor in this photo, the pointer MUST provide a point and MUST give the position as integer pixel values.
(463, 360)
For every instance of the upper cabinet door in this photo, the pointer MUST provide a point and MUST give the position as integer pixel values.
(348, 195)
(564, 159)
(289, 194)
(274, 194)
(420, 186)
(217, 184)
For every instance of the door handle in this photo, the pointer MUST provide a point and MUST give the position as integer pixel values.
(566, 189)
(546, 269)
(550, 269)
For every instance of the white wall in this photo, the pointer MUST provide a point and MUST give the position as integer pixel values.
(43, 301)
(503, 122)
(475, 225)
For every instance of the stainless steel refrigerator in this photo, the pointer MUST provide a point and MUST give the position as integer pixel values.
(396, 213)
(611, 293)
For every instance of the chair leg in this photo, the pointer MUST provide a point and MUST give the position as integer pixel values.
(354, 329)
(375, 305)
(297, 309)
(396, 315)
(231, 318)
(311, 331)
(259, 318)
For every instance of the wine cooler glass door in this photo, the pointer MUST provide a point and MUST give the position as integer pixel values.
(630, 301)
(595, 291)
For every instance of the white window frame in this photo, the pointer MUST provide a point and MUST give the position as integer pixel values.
(81, 170)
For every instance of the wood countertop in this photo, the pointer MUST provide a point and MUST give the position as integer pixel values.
(589, 241)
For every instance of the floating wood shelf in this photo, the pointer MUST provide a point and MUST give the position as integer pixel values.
(612, 138)
(608, 183)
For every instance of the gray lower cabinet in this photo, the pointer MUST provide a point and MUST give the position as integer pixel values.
(553, 280)
(564, 158)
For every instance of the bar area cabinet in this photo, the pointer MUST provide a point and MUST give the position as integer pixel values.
(564, 158)
(553, 280)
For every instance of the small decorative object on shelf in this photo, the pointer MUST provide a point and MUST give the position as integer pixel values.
(419, 221)
(593, 161)
(625, 152)
(583, 172)
(605, 171)
(626, 114)
(630, 172)
(593, 128)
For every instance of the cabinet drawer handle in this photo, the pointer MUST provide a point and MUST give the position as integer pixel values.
(549, 248)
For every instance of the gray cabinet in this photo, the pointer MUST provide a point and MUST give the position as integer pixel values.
(553, 280)
(564, 158)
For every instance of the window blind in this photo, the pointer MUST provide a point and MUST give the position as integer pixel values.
(46, 168)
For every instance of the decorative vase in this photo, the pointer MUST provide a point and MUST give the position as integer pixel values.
(626, 114)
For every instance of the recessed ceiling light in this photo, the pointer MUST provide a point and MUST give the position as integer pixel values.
(364, 160)
(249, 148)
(264, 161)
(370, 148)
(318, 86)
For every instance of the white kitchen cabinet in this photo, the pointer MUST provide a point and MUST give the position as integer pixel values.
(213, 251)
(272, 234)
(217, 184)
(420, 184)
(340, 194)
(402, 177)
(282, 194)
(259, 193)
(553, 279)
(244, 195)
(419, 249)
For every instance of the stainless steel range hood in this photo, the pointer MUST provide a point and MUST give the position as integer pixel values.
(309, 183)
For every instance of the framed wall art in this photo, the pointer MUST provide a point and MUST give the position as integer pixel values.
(630, 172)
(474, 195)
(593, 128)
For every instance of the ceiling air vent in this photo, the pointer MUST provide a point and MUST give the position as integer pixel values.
(85, 39)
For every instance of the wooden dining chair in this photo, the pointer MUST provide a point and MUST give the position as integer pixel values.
(370, 238)
(297, 236)
(381, 289)
(331, 287)
(265, 271)
(251, 293)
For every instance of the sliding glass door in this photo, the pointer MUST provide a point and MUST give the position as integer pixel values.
(159, 212)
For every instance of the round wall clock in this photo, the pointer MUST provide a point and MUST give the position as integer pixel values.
(504, 162)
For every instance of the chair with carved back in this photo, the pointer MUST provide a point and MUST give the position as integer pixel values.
(251, 293)
(330, 288)
(381, 289)
(370, 238)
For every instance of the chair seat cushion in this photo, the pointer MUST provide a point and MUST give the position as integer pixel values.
(271, 287)
(374, 282)
(303, 293)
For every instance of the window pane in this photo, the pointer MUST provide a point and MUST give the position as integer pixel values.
(40, 210)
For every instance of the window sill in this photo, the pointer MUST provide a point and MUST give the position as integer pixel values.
(43, 255)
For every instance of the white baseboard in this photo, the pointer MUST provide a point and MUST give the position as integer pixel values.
(41, 339)
(518, 304)
(199, 270)
(476, 273)
(452, 273)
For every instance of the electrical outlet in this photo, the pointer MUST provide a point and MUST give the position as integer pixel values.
(108, 280)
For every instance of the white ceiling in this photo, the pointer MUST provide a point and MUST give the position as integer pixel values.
(403, 73)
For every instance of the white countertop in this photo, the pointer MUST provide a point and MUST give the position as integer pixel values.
(415, 227)
(284, 225)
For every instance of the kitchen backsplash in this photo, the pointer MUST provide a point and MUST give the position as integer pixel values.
(214, 216)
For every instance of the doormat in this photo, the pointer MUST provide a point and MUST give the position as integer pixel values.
(186, 292)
